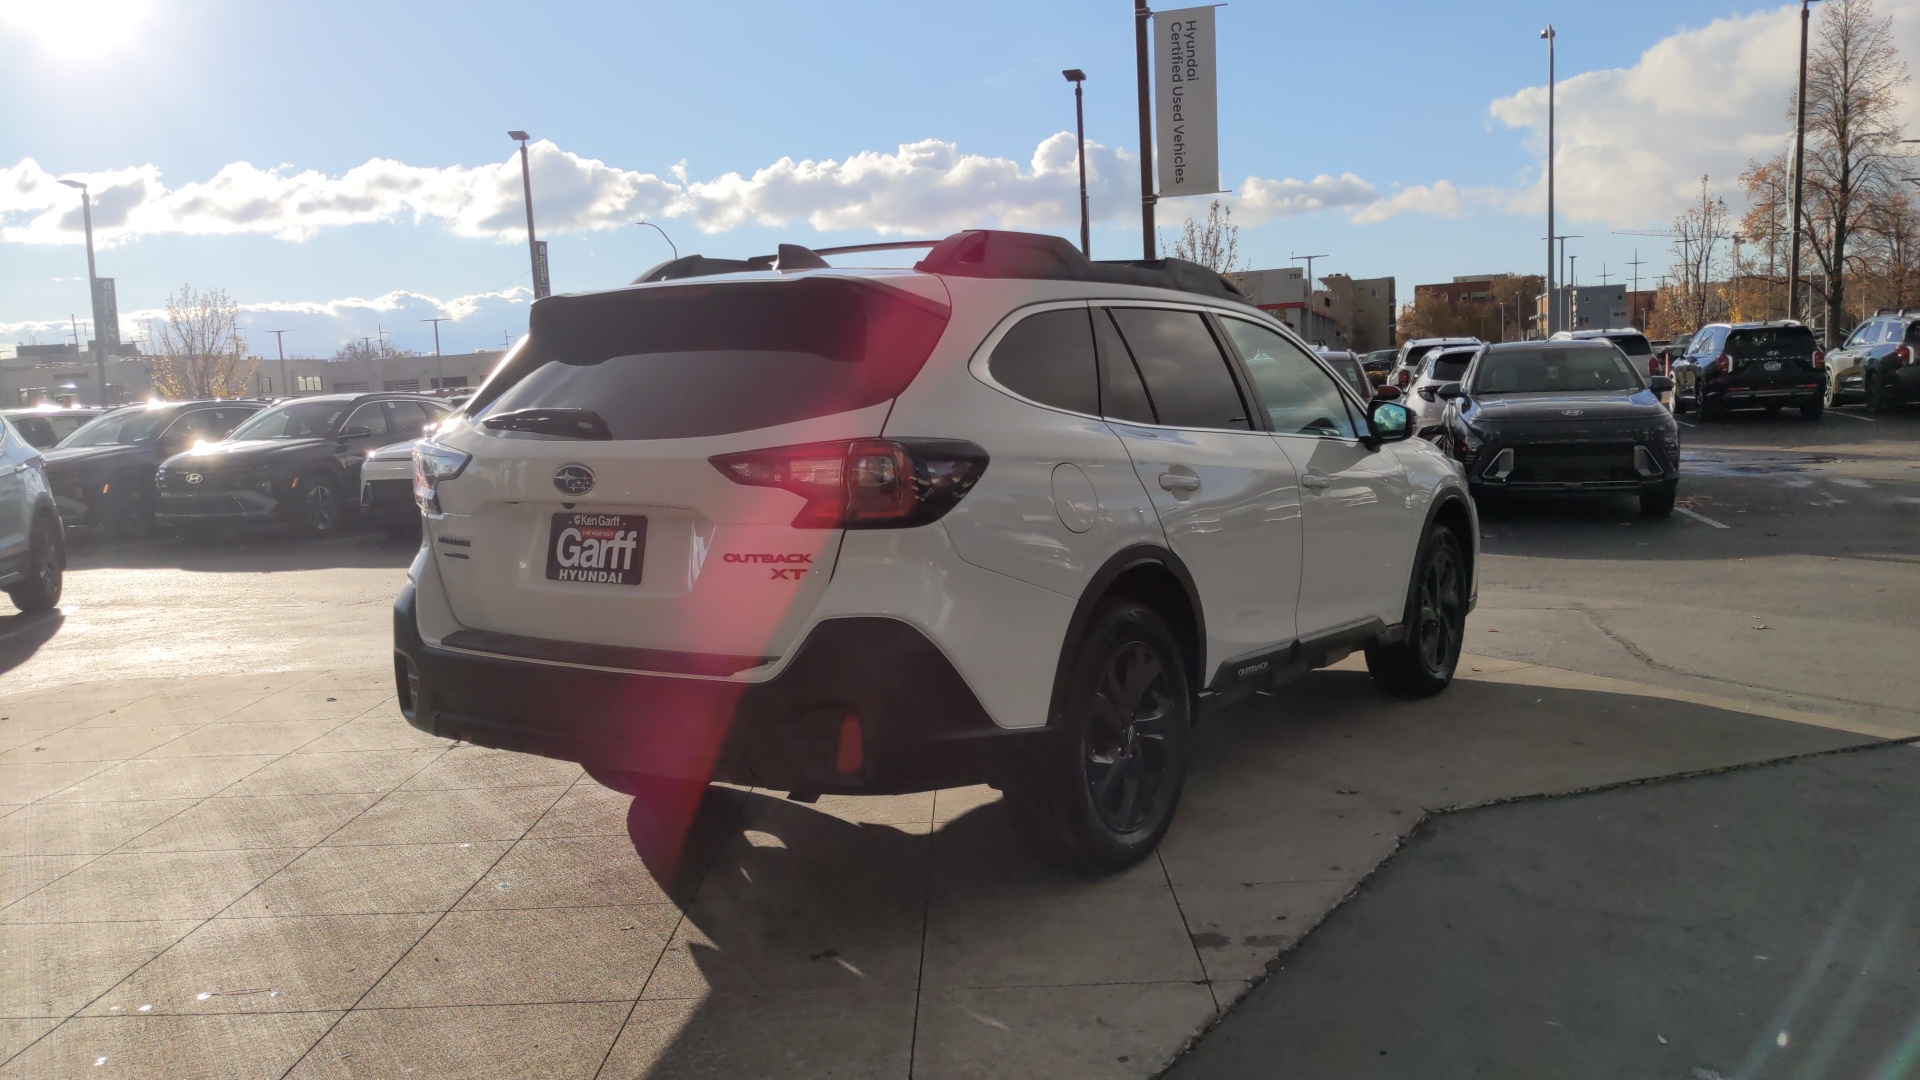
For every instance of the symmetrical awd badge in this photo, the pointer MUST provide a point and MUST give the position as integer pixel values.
(574, 479)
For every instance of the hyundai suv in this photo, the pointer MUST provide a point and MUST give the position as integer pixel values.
(1879, 364)
(1008, 517)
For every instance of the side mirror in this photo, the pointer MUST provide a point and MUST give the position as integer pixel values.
(356, 432)
(1449, 391)
(1389, 421)
(1660, 384)
(1386, 393)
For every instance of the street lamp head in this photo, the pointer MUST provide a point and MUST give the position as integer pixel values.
(518, 136)
(1075, 75)
(74, 184)
(1548, 34)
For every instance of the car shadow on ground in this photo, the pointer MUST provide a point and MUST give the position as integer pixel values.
(812, 942)
(249, 551)
(22, 635)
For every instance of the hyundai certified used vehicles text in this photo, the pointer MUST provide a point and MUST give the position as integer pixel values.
(33, 552)
(1567, 417)
(296, 463)
(102, 474)
(1771, 366)
(1007, 517)
(1879, 365)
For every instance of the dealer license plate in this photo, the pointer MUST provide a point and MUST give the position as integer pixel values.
(601, 549)
(1771, 365)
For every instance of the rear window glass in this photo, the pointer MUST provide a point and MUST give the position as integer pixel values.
(1048, 358)
(686, 361)
(1451, 367)
(1632, 344)
(1770, 341)
(1186, 375)
(1913, 330)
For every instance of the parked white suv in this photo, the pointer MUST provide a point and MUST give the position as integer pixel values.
(1008, 517)
(1447, 364)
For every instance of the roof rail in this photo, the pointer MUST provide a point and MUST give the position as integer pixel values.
(985, 253)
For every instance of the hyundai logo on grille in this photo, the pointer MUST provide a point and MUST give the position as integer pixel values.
(573, 479)
(1573, 412)
(193, 478)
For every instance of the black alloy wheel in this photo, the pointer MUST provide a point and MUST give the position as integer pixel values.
(1422, 662)
(1109, 793)
(317, 507)
(40, 591)
(1880, 397)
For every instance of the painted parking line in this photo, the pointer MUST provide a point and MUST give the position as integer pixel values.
(1701, 518)
(1683, 423)
(1850, 416)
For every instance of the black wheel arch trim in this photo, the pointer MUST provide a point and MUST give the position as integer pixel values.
(1100, 586)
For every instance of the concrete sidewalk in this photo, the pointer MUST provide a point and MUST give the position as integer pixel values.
(1762, 922)
(271, 874)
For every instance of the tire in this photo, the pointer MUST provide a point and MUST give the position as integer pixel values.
(1880, 397)
(1813, 410)
(129, 516)
(317, 509)
(1708, 413)
(1658, 503)
(46, 559)
(1422, 662)
(1108, 793)
(1681, 406)
(1833, 386)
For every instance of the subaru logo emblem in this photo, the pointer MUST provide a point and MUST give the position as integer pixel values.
(193, 478)
(573, 479)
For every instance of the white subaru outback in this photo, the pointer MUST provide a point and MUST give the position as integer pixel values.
(1008, 517)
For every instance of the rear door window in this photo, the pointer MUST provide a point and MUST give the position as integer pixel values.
(683, 361)
(1048, 358)
(1122, 395)
(368, 419)
(1186, 375)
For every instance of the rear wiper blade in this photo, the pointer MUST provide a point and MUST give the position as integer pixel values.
(565, 423)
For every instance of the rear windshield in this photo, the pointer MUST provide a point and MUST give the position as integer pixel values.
(1450, 367)
(1593, 368)
(1770, 341)
(686, 361)
(1632, 344)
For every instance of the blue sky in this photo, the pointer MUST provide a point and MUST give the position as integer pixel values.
(1395, 136)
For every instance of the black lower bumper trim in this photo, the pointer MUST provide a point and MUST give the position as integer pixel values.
(919, 725)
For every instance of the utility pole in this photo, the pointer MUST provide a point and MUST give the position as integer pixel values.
(1551, 304)
(439, 372)
(1573, 293)
(280, 342)
(1309, 261)
(93, 290)
(1603, 274)
(1799, 166)
(540, 286)
(1141, 15)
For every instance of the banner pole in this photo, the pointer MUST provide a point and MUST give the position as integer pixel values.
(1141, 15)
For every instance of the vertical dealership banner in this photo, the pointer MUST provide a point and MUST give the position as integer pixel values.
(542, 284)
(1186, 104)
(106, 317)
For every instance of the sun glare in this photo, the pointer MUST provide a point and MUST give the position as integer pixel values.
(75, 27)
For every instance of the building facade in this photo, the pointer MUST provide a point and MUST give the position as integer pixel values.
(1283, 293)
(1371, 308)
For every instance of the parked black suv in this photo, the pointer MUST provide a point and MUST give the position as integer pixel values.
(297, 462)
(102, 474)
(1768, 365)
(1879, 364)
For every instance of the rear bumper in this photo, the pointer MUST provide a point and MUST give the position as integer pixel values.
(867, 705)
(385, 501)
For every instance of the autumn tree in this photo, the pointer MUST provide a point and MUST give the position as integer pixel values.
(201, 353)
(1213, 243)
(1853, 154)
(1497, 313)
(1697, 294)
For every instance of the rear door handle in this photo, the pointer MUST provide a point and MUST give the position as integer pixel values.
(1317, 483)
(1179, 482)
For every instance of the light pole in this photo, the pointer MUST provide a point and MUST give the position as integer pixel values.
(1551, 306)
(1573, 292)
(439, 371)
(671, 246)
(1076, 77)
(1140, 16)
(280, 343)
(93, 288)
(526, 189)
(1799, 165)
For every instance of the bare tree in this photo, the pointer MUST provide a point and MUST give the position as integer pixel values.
(1697, 234)
(1854, 77)
(201, 352)
(1213, 243)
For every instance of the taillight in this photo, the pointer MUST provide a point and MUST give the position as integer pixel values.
(1653, 365)
(1903, 354)
(1819, 360)
(1724, 365)
(1404, 377)
(432, 465)
(1425, 392)
(864, 483)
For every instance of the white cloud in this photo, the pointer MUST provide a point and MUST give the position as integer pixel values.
(1441, 199)
(319, 328)
(1633, 142)
(924, 188)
